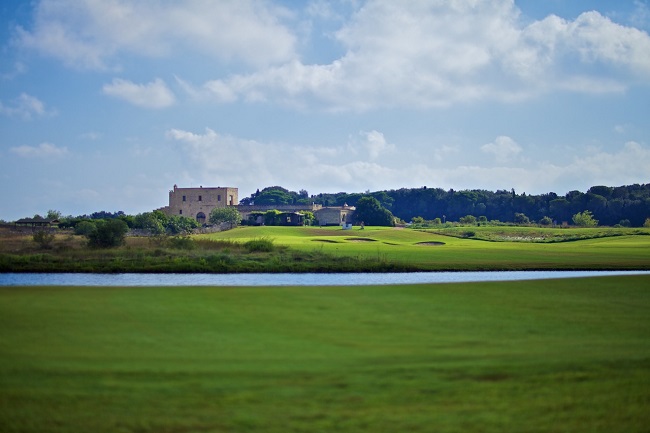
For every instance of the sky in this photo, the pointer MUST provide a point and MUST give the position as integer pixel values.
(107, 104)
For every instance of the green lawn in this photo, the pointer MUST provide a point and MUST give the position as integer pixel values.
(536, 356)
(619, 250)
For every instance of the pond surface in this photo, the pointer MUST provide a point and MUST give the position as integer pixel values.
(356, 279)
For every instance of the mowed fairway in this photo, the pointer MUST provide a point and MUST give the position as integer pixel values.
(429, 251)
(537, 356)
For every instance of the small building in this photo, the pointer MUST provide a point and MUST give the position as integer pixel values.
(198, 202)
(292, 219)
(38, 222)
(335, 216)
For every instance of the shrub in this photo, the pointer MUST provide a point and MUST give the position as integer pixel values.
(260, 245)
(108, 234)
(228, 214)
(84, 228)
(43, 238)
(585, 219)
(468, 220)
(647, 222)
(546, 221)
(521, 218)
(181, 242)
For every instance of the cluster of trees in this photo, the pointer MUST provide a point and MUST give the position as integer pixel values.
(624, 205)
(276, 195)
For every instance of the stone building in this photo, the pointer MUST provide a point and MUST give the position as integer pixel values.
(198, 202)
(334, 216)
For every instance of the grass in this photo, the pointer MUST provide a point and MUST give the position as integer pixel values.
(425, 250)
(313, 249)
(533, 356)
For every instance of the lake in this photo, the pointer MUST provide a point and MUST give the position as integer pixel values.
(334, 279)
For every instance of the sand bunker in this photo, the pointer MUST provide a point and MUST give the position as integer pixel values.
(360, 240)
(430, 244)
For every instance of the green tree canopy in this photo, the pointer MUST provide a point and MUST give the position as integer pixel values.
(584, 219)
(228, 214)
(372, 213)
(110, 233)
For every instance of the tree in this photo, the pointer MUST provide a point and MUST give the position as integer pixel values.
(108, 234)
(520, 218)
(155, 222)
(84, 228)
(53, 215)
(468, 220)
(44, 239)
(546, 221)
(584, 219)
(228, 214)
(180, 225)
(372, 213)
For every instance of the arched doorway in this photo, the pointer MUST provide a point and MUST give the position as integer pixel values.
(200, 217)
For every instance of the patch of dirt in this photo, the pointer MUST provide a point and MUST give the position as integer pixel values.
(360, 240)
(327, 241)
(430, 244)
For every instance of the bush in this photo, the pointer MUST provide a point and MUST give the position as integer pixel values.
(261, 245)
(108, 234)
(468, 220)
(647, 222)
(44, 239)
(84, 228)
(521, 218)
(585, 219)
(181, 242)
(228, 214)
(546, 221)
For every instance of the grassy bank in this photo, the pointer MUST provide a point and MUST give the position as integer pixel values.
(534, 356)
(307, 249)
(434, 250)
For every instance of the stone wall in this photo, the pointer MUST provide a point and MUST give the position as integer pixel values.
(197, 203)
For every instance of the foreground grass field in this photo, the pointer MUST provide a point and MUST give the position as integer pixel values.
(536, 356)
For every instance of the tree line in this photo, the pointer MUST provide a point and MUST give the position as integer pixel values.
(627, 205)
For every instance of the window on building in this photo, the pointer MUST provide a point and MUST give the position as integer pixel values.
(231, 200)
(219, 197)
(183, 198)
(180, 212)
(200, 198)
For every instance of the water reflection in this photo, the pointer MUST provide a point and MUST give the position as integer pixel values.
(34, 279)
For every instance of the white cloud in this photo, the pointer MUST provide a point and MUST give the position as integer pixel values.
(43, 150)
(503, 148)
(250, 164)
(155, 94)
(372, 143)
(432, 53)
(93, 34)
(25, 107)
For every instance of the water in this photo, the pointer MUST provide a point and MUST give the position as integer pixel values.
(354, 279)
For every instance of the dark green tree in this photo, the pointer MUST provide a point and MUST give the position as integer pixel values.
(372, 213)
(110, 233)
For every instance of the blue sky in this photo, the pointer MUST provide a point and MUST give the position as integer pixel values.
(105, 105)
